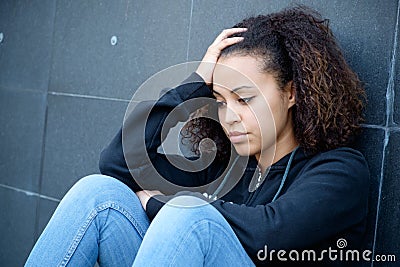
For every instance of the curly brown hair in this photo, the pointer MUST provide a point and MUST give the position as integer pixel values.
(297, 45)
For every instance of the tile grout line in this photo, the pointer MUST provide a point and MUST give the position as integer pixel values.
(29, 193)
(378, 206)
(40, 181)
(373, 126)
(190, 31)
(69, 94)
(393, 128)
(389, 123)
(390, 88)
(23, 90)
(88, 96)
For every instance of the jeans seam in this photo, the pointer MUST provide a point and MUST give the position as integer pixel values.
(133, 221)
(82, 230)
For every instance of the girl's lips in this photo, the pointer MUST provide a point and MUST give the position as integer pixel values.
(237, 137)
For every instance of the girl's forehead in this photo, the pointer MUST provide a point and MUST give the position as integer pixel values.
(232, 74)
(236, 70)
(237, 66)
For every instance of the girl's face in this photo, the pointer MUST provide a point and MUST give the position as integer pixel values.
(252, 109)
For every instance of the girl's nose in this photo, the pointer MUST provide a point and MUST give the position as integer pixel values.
(231, 115)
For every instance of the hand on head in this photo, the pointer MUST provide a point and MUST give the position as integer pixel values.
(223, 40)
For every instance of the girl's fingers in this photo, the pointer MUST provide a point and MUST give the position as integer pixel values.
(216, 49)
(229, 41)
(228, 32)
(205, 70)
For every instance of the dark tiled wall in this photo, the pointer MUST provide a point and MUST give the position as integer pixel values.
(64, 89)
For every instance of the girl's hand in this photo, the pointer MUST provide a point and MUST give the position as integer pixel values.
(207, 65)
(145, 195)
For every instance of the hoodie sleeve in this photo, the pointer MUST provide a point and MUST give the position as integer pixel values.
(138, 159)
(328, 196)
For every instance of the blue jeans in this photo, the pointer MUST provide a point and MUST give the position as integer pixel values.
(101, 219)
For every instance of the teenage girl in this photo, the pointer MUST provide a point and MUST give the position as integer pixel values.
(288, 103)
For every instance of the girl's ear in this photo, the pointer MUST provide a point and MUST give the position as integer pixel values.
(290, 90)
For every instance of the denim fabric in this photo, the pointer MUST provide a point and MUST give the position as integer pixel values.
(190, 232)
(101, 219)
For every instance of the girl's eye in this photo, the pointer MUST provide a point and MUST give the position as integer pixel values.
(245, 100)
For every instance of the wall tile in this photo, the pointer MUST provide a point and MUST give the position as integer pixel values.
(77, 130)
(355, 24)
(152, 35)
(209, 20)
(365, 30)
(25, 52)
(17, 220)
(22, 116)
(370, 143)
(387, 239)
(46, 209)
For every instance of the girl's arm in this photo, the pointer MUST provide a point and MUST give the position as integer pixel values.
(141, 135)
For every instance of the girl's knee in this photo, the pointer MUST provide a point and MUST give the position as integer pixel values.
(98, 188)
(187, 210)
(97, 183)
(94, 180)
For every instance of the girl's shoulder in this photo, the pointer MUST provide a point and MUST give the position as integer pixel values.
(343, 162)
(341, 154)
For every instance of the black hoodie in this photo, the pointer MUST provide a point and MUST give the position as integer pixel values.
(323, 198)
